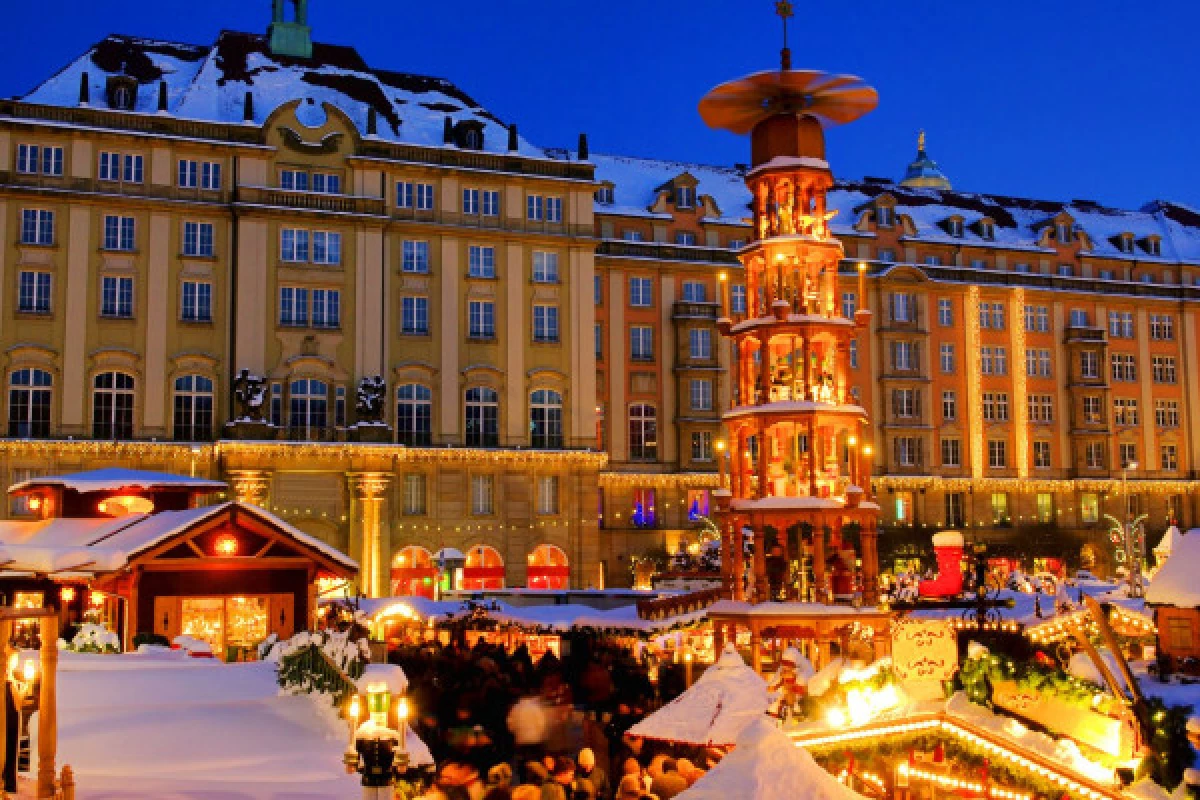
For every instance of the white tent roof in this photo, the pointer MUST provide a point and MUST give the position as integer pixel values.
(727, 697)
(1167, 543)
(766, 765)
(1175, 583)
(116, 478)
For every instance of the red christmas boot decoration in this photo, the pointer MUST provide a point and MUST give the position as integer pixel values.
(948, 547)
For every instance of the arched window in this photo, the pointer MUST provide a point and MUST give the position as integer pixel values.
(309, 408)
(414, 415)
(643, 432)
(545, 419)
(29, 403)
(112, 406)
(474, 140)
(483, 569)
(547, 568)
(483, 417)
(413, 573)
(193, 408)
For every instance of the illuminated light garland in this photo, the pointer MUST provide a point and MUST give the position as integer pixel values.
(1021, 409)
(948, 782)
(1028, 486)
(953, 728)
(974, 381)
(659, 480)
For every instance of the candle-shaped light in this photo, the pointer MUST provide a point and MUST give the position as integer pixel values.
(852, 443)
(402, 718)
(720, 446)
(352, 714)
(862, 285)
(723, 280)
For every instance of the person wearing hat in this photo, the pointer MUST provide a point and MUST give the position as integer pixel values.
(588, 769)
(668, 782)
(630, 788)
(500, 776)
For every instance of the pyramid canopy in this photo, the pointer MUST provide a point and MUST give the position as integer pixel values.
(712, 712)
(1167, 544)
(1175, 583)
(766, 765)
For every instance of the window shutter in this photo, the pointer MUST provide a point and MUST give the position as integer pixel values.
(920, 460)
(892, 307)
(896, 451)
(916, 357)
(917, 403)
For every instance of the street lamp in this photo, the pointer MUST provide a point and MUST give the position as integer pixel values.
(1133, 552)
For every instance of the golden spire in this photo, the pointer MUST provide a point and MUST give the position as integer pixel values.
(784, 9)
(921, 141)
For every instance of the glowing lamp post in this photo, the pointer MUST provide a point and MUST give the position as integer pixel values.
(687, 668)
(720, 447)
(350, 757)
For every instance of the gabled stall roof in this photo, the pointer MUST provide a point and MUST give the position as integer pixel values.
(118, 479)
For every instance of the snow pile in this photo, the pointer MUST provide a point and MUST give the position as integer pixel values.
(390, 675)
(192, 646)
(767, 765)
(93, 638)
(1082, 666)
(826, 677)
(1174, 584)
(727, 697)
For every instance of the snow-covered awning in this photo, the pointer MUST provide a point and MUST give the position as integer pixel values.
(118, 479)
(1175, 582)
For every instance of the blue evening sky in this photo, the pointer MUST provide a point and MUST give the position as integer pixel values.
(1056, 99)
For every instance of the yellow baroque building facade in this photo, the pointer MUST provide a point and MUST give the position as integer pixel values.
(382, 313)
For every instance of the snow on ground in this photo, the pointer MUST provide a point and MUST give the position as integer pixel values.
(164, 726)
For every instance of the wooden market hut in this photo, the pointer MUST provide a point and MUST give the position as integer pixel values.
(142, 551)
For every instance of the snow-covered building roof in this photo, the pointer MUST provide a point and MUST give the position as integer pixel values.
(1017, 223)
(117, 479)
(1175, 582)
(209, 83)
(95, 545)
(767, 765)
(713, 710)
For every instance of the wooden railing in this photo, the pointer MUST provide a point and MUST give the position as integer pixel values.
(311, 201)
(678, 604)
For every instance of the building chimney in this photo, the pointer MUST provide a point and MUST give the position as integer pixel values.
(83, 89)
(512, 138)
(583, 147)
(372, 123)
(248, 107)
(162, 96)
(448, 131)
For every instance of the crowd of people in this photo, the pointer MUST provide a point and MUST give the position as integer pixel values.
(506, 726)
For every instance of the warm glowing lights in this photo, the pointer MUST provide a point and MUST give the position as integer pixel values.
(35, 503)
(852, 440)
(226, 545)
(867, 450)
(959, 784)
(67, 593)
(862, 266)
(720, 445)
(124, 504)
(96, 598)
(402, 709)
(722, 276)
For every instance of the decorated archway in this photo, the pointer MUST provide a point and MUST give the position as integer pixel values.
(484, 569)
(547, 568)
(413, 573)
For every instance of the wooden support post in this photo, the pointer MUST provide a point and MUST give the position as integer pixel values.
(48, 710)
(6, 629)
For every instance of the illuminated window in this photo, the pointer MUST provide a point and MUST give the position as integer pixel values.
(1045, 507)
(1089, 507)
(545, 419)
(482, 417)
(643, 432)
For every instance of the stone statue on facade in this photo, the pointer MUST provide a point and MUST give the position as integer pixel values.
(249, 392)
(370, 398)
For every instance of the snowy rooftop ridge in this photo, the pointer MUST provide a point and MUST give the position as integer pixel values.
(209, 83)
(117, 478)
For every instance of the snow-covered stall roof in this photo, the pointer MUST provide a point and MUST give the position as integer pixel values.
(108, 544)
(1175, 582)
(116, 479)
(727, 697)
(1167, 544)
(209, 83)
(766, 765)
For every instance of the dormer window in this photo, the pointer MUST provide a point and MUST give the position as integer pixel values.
(987, 230)
(1063, 231)
(885, 216)
(685, 196)
(467, 134)
(604, 195)
(473, 140)
(955, 226)
(1154, 246)
(122, 92)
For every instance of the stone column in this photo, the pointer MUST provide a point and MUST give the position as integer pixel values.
(251, 486)
(370, 531)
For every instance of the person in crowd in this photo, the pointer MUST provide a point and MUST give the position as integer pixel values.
(587, 769)
(667, 782)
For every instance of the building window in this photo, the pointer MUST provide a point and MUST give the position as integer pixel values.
(1093, 455)
(414, 494)
(1166, 413)
(641, 343)
(199, 174)
(33, 292)
(1063, 231)
(554, 206)
(118, 232)
(415, 256)
(955, 226)
(905, 403)
(995, 406)
(1168, 457)
(491, 203)
(904, 508)
(1078, 318)
(293, 306)
(945, 312)
(685, 238)
(702, 446)
(1091, 409)
(640, 293)
(481, 262)
(126, 167)
(482, 417)
(954, 509)
(694, 292)
(643, 432)
(545, 267)
(1179, 634)
(308, 409)
(339, 407)
(196, 305)
(947, 357)
(414, 415)
(701, 395)
(1040, 408)
(276, 411)
(904, 356)
(885, 216)
(1065, 270)
(1089, 364)
(1037, 362)
(598, 330)
(198, 239)
(1162, 327)
(887, 255)
(545, 323)
(903, 307)
(193, 408)
(933, 261)
(326, 308)
(632, 236)
(700, 344)
(483, 494)
(1125, 411)
(481, 319)
(907, 451)
(327, 247)
(949, 405)
(545, 420)
(116, 297)
(29, 395)
(535, 207)
(1089, 507)
(1000, 508)
(597, 290)
(1123, 367)
(737, 299)
(997, 453)
(604, 195)
(414, 195)
(112, 406)
(293, 244)
(951, 453)
(1163, 369)
(37, 226)
(32, 159)
(414, 315)
(1041, 454)
(547, 494)
(854, 354)
(1120, 324)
